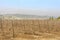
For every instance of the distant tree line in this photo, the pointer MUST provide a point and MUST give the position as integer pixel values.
(52, 18)
(58, 17)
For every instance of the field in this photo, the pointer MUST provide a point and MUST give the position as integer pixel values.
(29, 29)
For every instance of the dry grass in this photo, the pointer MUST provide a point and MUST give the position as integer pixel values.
(30, 29)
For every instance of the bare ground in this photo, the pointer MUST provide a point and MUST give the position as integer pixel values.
(45, 36)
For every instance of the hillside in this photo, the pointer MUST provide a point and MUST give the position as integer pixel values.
(24, 16)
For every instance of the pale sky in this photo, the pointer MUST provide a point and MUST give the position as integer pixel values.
(35, 7)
